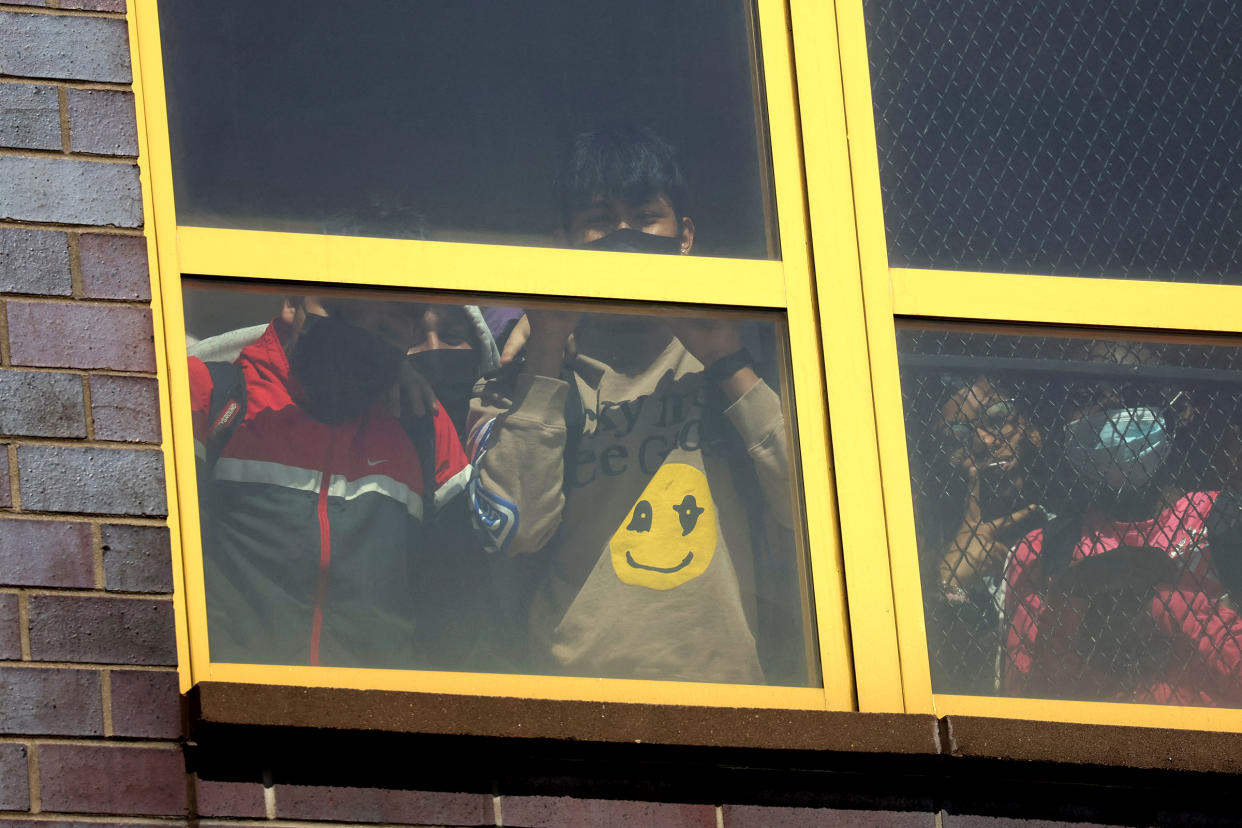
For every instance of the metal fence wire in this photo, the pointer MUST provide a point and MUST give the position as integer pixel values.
(1078, 510)
(1059, 137)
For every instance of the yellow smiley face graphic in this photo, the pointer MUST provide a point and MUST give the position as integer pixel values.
(669, 537)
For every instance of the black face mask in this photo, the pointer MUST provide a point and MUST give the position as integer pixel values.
(343, 369)
(635, 241)
(451, 373)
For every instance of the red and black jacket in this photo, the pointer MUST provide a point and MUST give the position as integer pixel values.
(312, 533)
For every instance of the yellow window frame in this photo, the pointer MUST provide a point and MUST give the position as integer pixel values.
(786, 285)
(912, 294)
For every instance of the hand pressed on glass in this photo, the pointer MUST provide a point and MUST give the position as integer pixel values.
(978, 546)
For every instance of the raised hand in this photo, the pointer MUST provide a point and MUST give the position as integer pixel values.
(516, 341)
(708, 339)
(551, 334)
(976, 548)
(411, 395)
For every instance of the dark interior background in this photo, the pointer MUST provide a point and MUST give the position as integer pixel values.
(1059, 137)
(355, 118)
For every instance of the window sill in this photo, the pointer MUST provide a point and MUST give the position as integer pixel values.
(228, 703)
(975, 737)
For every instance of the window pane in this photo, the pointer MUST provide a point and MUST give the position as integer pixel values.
(615, 512)
(1060, 137)
(1078, 506)
(395, 117)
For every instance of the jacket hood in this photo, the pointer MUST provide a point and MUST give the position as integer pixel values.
(484, 342)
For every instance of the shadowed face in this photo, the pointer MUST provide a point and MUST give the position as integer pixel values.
(985, 429)
(441, 328)
(654, 216)
(391, 322)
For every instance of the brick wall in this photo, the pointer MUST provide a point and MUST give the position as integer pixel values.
(90, 719)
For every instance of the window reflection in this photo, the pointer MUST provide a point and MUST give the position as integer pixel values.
(1078, 515)
(1067, 139)
(378, 490)
(451, 118)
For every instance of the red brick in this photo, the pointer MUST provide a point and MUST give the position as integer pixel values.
(62, 335)
(10, 627)
(110, 779)
(230, 799)
(50, 702)
(146, 704)
(114, 267)
(101, 630)
(760, 816)
(382, 805)
(137, 558)
(126, 408)
(14, 778)
(46, 553)
(564, 811)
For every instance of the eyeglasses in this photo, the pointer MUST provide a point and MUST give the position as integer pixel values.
(995, 420)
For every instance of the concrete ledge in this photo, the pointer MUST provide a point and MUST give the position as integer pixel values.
(890, 734)
(444, 714)
(1087, 744)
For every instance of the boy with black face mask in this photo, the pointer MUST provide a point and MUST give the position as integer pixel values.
(313, 491)
(606, 457)
(453, 348)
(1123, 601)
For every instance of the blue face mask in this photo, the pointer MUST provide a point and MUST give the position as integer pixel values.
(1122, 448)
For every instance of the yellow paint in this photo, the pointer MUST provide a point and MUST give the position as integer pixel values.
(487, 268)
(1060, 300)
(154, 171)
(670, 535)
(532, 687)
(170, 329)
(823, 533)
(1105, 713)
(844, 343)
(881, 342)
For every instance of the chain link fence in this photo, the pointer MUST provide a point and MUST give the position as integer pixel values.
(1078, 514)
(1059, 137)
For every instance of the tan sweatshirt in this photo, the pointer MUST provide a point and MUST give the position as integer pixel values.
(650, 570)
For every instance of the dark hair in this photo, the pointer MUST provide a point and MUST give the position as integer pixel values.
(619, 161)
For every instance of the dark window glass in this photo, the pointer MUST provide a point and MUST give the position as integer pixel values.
(398, 118)
(601, 507)
(1078, 506)
(1060, 137)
